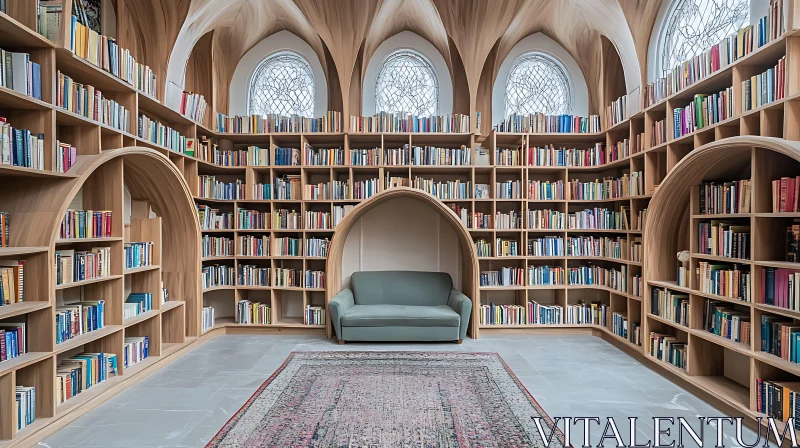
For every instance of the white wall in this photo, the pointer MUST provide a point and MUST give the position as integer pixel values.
(541, 43)
(407, 40)
(402, 234)
(280, 41)
(758, 9)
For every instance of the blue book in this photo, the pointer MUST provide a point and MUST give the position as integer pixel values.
(36, 70)
(769, 288)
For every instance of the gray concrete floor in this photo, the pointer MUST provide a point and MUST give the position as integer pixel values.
(187, 402)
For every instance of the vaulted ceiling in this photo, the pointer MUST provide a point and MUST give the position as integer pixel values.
(473, 36)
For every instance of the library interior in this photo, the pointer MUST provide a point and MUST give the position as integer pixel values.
(397, 223)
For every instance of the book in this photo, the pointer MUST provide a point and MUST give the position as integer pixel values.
(12, 281)
(402, 122)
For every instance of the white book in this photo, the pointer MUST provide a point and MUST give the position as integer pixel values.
(19, 72)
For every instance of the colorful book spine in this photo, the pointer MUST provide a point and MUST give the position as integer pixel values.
(273, 123)
(400, 122)
(21, 147)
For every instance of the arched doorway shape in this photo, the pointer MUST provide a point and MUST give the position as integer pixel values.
(671, 200)
(469, 256)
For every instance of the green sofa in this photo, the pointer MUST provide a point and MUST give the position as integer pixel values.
(400, 306)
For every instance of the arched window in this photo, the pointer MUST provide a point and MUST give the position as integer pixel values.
(407, 83)
(283, 83)
(538, 83)
(693, 26)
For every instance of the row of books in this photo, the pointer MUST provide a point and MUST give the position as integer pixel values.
(25, 405)
(12, 281)
(135, 349)
(288, 278)
(256, 313)
(207, 319)
(287, 157)
(780, 337)
(402, 122)
(532, 314)
(659, 133)
(723, 239)
(80, 372)
(314, 315)
(5, 229)
(364, 157)
(90, 103)
(670, 305)
(548, 246)
(619, 324)
(85, 224)
(595, 313)
(722, 319)
(251, 275)
(287, 246)
(209, 187)
(20, 74)
(669, 349)
(262, 124)
(599, 218)
(250, 245)
(221, 246)
(786, 195)
(545, 190)
(508, 157)
(545, 275)
(428, 156)
(262, 192)
(725, 197)
(138, 254)
(596, 155)
(75, 319)
(323, 156)
(725, 280)
(13, 340)
(193, 106)
(136, 304)
(719, 56)
(314, 279)
(779, 400)
(616, 112)
(510, 220)
(251, 156)
(703, 111)
(539, 123)
(64, 156)
(597, 275)
(213, 219)
(630, 184)
(103, 52)
(287, 186)
(216, 275)
(251, 219)
(75, 266)
(510, 189)
(20, 147)
(780, 287)
(156, 132)
(594, 246)
(765, 87)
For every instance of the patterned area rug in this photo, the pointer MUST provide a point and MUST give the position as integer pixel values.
(389, 399)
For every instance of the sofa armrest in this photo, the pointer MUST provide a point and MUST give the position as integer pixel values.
(461, 304)
(339, 305)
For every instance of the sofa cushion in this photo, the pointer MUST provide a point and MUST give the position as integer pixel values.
(400, 316)
(401, 287)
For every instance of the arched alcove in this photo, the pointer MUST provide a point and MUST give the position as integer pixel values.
(668, 210)
(449, 224)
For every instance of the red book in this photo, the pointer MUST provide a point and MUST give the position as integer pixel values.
(790, 197)
(796, 193)
(782, 201)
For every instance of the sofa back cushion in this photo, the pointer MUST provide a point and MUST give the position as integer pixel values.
(401, 288)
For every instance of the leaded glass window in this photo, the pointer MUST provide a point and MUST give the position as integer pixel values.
(693, 26)
(538, 83)
(282, 84)
(407, 83)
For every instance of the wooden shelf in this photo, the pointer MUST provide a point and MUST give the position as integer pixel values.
(88, 282)
(140, 318)
(66, 241)
(129, 271)
(21, 361)
(15, 100)
(86, 338)
(14, 251)
(19, 171)
(172, 304)
(17, 309)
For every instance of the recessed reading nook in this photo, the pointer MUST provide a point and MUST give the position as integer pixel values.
(242, 223)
